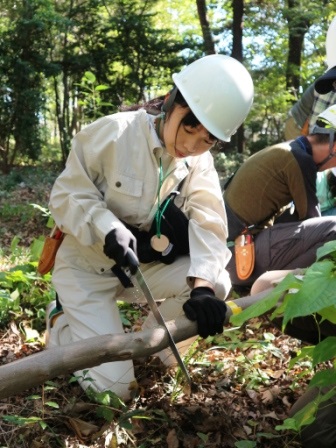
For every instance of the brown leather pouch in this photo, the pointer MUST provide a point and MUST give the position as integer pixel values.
(49, 251)
(244, 255)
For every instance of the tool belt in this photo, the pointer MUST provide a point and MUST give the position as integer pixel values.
(49, 251)
(174, 226)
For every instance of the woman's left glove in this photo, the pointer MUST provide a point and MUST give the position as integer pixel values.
(209, 312)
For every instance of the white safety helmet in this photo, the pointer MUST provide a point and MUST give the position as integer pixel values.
(326, 121)
(326, 124)
(219, 91)
(331, 44)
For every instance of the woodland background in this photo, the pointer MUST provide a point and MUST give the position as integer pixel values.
(131, 48)
(64, 63)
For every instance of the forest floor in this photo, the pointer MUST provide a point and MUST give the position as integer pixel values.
(243, 386)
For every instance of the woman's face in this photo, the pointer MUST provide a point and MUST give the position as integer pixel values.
(182, 140)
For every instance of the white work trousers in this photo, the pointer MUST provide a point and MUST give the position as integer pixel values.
(90, 309)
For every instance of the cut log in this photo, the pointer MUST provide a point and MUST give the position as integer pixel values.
(29, 372)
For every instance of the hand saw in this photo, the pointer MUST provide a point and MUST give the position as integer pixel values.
(141, 282)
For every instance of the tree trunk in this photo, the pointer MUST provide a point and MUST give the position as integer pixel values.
(29, 372)
(298, 25)
(237, 53)
(209, 46)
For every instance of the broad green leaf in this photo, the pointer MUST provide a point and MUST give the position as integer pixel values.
(34, 397)
(328, 248)
(124, 320)
(20, 421)
(305, 352)
(43, 424)
(47, 388)
(15, 243)
(50, 222)
(329, 313)
(18, 275)
(126, 424)
(267, 435)
(36, 248)
(325, 350)
(203, 437)
(106, 413)
(90, 77)
(101, 87)
(245, 444)
(107, 398)
(318, 291)
(326, 395)
(103, 398)
(289, 424)
(306, 415)
(52, 404)
(267, 303)
(324, 378)
(51, 384)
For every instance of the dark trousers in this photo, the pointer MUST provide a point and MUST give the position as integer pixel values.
(322, 432)
(287, 246)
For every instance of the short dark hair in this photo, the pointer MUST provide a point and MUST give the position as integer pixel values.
(154, 107)
(190, 119)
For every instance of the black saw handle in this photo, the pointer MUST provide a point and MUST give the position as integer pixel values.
(132, 263)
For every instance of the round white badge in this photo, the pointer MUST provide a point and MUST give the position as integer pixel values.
(159, 243)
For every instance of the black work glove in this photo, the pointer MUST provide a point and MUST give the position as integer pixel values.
(209, 312)
(118, 244)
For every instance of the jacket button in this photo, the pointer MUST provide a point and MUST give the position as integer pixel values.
(102, 270)
(118, 184)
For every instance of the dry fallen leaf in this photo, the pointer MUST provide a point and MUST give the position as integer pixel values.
(82, 429)
(271, 415)
(267, 396)
(172, 440)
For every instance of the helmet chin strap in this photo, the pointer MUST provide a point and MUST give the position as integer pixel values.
(319, 130)
(166, 106)
(169, 100)
(331, 153)
(159, 121)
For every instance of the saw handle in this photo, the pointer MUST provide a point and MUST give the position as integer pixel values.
(132, 263)
(132, 260)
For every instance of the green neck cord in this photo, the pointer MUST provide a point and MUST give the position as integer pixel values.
(159, 213)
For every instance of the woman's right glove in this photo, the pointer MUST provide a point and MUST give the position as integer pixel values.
(118, 242)
(209, 312)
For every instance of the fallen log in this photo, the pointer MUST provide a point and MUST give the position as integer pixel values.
(28, 372)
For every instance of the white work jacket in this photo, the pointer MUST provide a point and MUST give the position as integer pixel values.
(112, 174)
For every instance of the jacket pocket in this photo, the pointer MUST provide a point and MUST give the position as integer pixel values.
(127, 185)
(123, 196)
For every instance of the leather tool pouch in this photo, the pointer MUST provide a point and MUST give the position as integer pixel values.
(49, 251)
(244, 255)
